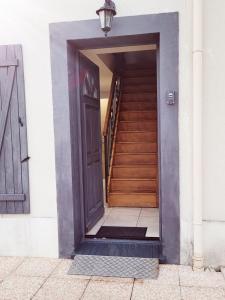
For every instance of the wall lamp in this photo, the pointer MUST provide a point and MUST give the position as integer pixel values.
(106, 14)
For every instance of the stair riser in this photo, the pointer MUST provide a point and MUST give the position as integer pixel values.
(134, 172)
(138, 73)
(140, 80)
(138, 126)
(142, 88)
(133, 178)
(126, 159)
(136, 148)
(137, 116)
(136, 137)
(133, 186)
(139, 97)
(126, 106)
(129, 200)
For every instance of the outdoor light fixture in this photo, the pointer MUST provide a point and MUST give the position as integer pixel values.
(106, 14)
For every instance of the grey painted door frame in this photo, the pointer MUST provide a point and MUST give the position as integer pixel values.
(66, 38)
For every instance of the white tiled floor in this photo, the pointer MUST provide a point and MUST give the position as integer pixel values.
(130, 217)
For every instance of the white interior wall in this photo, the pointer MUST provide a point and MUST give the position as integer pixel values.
(104, 105)
(26, 22)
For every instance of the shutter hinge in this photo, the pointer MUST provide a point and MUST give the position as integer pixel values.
(21, 122)
(25, 159)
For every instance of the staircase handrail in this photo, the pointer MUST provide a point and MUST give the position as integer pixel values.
(110, 124)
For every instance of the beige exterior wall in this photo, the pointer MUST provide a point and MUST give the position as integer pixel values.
(214, 132)
(26, 22)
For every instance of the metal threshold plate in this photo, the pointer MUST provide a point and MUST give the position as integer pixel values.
(115, 266)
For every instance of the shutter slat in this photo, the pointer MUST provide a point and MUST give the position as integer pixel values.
(3, 73)
(14, 188)
(12, 197)
(6, 134)
(23, 129)
(16, 148)
(9, 79)
(8, 139)
(8, 63)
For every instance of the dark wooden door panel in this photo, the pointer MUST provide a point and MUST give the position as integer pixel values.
(91, 137)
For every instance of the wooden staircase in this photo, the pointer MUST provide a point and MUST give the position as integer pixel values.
(133, 175)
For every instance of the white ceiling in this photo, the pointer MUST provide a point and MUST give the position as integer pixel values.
(105, 72)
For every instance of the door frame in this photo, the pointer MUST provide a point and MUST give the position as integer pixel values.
(66, 38)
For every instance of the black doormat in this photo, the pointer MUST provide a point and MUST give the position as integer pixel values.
(115, 232)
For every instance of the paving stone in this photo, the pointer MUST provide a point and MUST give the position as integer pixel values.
(196, 293)
(20, 287)
(168, 275)
(151, 291)
(62, 269)
(27, 279)
(108, 290)
(37, 267)
(59, 289)
(114, 279)
(8, 265)
(223, 272)
(200, 279)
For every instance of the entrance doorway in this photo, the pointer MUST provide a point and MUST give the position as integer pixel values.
(78, 159)
(128, 97)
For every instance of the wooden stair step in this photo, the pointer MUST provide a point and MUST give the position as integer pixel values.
(137, 125)
(135, 171)
(136, 158)
(136, 147)
(132, 199)
(139, 105)
(137, 115)
(152, 96)
(133, 185)
(133, 181)
(136, 136)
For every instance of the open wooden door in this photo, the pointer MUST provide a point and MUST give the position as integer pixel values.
(91, 141)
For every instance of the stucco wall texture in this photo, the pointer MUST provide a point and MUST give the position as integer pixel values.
(26, 22)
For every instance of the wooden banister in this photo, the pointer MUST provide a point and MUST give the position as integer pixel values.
(110, 124)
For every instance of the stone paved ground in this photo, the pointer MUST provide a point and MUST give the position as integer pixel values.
(47, 279)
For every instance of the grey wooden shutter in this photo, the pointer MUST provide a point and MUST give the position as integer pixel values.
(14, 179)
